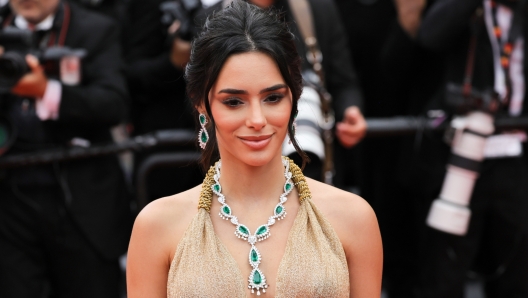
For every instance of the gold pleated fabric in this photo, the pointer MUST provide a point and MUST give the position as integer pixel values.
(313, 265)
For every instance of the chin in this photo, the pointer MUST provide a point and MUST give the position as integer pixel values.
(258, 158)
(32, 17)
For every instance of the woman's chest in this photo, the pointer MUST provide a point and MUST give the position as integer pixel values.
(257, 262)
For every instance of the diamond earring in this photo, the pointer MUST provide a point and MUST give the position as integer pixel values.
(203, 136)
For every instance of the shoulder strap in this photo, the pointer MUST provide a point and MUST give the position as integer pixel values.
(302, 14)
(303, 17)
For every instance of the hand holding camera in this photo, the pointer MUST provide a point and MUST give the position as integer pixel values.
(180, 52)
(178, 17)
(32, 84)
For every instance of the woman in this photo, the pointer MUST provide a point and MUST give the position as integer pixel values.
(244, 79)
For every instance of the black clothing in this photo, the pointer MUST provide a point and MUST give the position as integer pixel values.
(495, 247)
(414, 75)
(93, 192)
(447, 29)
(340, 78)
(158, 95)
(156, 86)
(111, 8)
(497, 235)
(43, 252)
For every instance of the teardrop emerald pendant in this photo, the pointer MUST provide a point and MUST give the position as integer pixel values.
(256, 280)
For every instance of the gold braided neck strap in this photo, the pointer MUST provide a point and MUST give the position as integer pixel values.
(206, 195)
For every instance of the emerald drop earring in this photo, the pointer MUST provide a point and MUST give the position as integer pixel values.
(203, 136)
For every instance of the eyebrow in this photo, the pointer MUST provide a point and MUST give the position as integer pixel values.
(238, 91)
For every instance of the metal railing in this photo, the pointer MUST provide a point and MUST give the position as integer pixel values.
(377, 128)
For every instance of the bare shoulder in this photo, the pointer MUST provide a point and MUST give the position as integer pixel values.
(165, 220)
(156, 234)
(340, 206)
(350, 215)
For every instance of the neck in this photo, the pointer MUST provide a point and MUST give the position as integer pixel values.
(244, 183)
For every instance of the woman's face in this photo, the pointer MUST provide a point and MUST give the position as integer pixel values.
(251, 105)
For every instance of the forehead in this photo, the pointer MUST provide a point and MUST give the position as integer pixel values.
(251, 71)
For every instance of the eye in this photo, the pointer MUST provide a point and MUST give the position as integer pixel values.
(274, 98)
(232, 102)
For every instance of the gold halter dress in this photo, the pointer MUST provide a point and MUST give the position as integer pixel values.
(313, 265)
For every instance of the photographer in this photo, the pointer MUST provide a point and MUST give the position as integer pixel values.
(156, 53)
(478, 76)
(62, 226)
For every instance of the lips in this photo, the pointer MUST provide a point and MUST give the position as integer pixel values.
(256, 142)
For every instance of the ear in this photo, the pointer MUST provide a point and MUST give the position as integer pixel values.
(201, 109)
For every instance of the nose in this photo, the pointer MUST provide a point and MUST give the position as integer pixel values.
(256, 118)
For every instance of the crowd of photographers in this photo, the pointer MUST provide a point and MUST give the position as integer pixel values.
(94, 64)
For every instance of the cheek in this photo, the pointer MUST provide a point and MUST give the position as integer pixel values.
(279, 116)
(225, 120)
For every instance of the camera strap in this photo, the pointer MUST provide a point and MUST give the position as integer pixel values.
(63, 14)
(302, 14)
(66, 16)
(476, 23)
(506, 45)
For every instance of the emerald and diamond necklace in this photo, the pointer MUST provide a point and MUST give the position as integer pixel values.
(256, 280)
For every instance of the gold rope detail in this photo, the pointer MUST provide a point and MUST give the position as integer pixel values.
(206, 195)
(300, 181)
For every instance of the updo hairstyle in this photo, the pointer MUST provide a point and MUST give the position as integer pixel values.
(240, 28)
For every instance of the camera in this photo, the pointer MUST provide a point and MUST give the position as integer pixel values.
(17, 43)
(464, 102)
(182, 11)
(308, 125)
(450, 212)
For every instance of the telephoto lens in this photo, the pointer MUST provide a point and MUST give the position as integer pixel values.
(450, 213)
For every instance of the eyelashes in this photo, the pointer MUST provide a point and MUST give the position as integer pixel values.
(232, 102)
(235, 101)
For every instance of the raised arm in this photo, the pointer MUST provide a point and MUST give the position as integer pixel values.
(444, 21)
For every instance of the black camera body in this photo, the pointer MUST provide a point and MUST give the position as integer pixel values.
(476, 100)
(182, 11)
(17, 43)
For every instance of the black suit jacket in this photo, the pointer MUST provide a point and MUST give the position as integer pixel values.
(157, 87)
(94, 188)
(446, 28)
(436, 57)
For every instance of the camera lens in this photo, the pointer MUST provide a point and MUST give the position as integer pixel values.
(7, 68)
(12, 67)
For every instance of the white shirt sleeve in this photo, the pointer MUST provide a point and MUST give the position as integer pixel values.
(47, 107)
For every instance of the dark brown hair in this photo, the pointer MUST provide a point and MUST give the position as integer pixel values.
(239, 28)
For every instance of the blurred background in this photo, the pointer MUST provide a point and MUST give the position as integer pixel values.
(416, 105)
